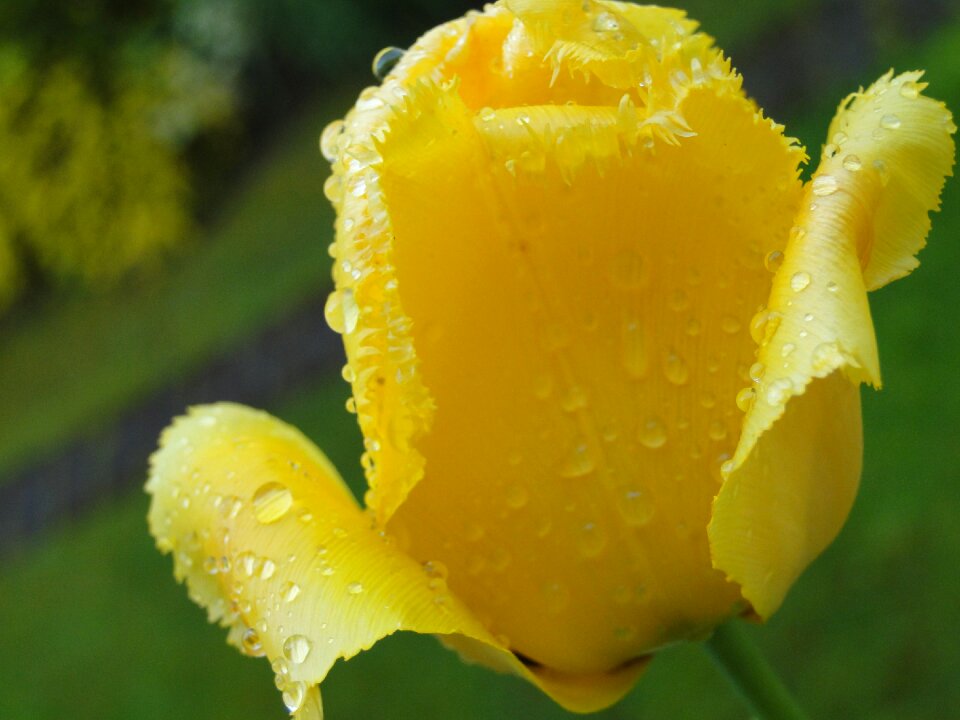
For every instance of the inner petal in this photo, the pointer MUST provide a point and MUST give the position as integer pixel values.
(584, 333)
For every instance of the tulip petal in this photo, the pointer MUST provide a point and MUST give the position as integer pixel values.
(589, 273)
(272, 543)
(794, 475)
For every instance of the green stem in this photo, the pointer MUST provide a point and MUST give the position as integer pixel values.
(751, 675)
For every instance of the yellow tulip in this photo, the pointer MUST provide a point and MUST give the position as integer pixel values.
(605, 350)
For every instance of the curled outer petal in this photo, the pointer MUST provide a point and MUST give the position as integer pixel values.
(272, 543)
(790, 485)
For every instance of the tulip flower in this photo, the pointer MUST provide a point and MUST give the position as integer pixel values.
(605, 350)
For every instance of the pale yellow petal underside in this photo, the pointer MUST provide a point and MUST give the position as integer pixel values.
(794, 476)
(271, 542)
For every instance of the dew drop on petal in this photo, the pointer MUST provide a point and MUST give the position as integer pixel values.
(745, 398)
(909, 90)
(800, 281)
(289, 592)
(779, 391)
(329, 140)
(730, 325)
(271, 502)
(635, 507)
(824, 185)
(385, 61)
(293, 695)
(296, 648)
(355, 588)
(773, 260)
(633, 353)
(267, 569)
(579, 461)
(675, 369)
(890, 122)
(516, 496)
(653, 434)
(592, 540)
(717, 430)
(852, 163)
(250, 641)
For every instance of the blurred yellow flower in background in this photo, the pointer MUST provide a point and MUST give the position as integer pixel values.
(605, 350)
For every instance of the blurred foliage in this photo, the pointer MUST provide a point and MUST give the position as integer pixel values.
(98, 103)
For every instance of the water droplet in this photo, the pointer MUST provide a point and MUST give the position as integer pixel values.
(271, 502)
(633, 348)
(800, 281)
(628, 271)
(574, 399)
(556, 597)
(679, 300)
(756, 371)
(730, 325)
(330, 140)
(693, 327)
(385, 61)
(517, 496)
(289, 592)
(296, 648)
(882, 170)
(653, 434)
(708, 400)
(773, 260)
(210, 565)
(852, 163)
(293, 695)
(909, 90)
(592, 540)
(779, 391)
(579, 461)
(831, 286)
(355, 588)
(543, 386)
(606, 22)
(763, 326)
(248, 562)
(745, 398)
(333, 189)
(717, 430)
(333, 312)
(487, 114)
(890, 122)
(250, 642)
(635, 507)
(826, 356)
(267, 569)
(675, 369)
(824, 185)
(787, 349)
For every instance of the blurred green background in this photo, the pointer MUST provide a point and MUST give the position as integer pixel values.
(163, 239)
